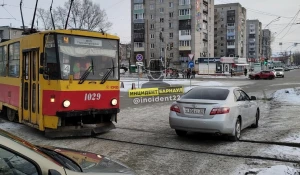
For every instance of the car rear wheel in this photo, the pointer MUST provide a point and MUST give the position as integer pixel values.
(180, 132)
(256, 119)
(237, 131)
(256, 77)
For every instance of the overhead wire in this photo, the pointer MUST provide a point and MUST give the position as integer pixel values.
(288, 24)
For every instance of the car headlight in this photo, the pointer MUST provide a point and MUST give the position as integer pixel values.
(114, 102)
(66, 103)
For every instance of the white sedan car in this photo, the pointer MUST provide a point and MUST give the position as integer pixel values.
(219, 110)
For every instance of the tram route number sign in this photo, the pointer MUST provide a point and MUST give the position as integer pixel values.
(92, 96)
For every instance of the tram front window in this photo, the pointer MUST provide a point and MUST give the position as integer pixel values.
(77, 54)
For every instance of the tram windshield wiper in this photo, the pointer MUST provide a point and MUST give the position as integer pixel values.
(87, 73)
(107, 74)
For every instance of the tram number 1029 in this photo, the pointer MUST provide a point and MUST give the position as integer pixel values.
(92, 96)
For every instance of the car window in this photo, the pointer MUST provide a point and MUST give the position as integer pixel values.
(238, 95)
(12, 164)
(245, 96)
(206, 94)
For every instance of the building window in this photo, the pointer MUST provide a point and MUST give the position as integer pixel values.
(151, 26)
(222, 38)
(184, 2)
(230, 43)
(161, 19)
(222, 51)
(171, 55)
(139, 16)
(230, 24)
(14, 60)
(185, 32)
(138, 44)
(152, 55)
(171, 14)
(230, 30)
(186, 43)
(152, 36)
(162, 49)
(161, 10)
(161, 1)
(151, 6)
(138, 6)
(152, 46)
(151, 16)
(171, 35)
(170, 25)
(184, 12)
(171, 4)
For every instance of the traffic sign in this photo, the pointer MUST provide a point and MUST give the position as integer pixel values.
(139, 57)
(191, 56)
(191, 64)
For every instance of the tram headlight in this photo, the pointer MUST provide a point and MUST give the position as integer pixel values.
(66, 103)
(114, 102)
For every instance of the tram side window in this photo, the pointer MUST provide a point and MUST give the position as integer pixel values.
(14, 60)
(3, 61)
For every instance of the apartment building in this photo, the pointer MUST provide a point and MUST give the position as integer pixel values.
(254, 40)
(185, 24)
(266, 44)
(230, 30)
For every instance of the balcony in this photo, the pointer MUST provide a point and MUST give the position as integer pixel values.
(139, 49)
(138, 1)
(138, 11)
(185, 17)
(205, 2)
(182, 48)
(186, 6)
(185, 37)
(138, 20)
(230, 46)
(231, 27)
(251, 40)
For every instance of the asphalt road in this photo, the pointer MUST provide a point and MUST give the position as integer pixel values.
(144, 141)
(291, 79)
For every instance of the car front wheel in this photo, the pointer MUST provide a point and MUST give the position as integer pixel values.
(256, 119)
(237, 131)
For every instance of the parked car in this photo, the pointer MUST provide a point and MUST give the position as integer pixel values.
(279, 72)
(18, 156)
(262, 75)
(286, 69)
(218, 110)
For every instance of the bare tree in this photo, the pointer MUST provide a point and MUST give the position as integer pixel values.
(84, 15)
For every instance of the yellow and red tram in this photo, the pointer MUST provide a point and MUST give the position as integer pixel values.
(63, 82)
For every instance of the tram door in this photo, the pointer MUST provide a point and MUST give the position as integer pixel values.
(30, 102)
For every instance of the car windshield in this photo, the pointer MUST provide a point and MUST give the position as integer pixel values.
(76, 55)
(278, 69)
(207, 94)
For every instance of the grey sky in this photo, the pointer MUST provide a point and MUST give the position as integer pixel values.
(118, 12)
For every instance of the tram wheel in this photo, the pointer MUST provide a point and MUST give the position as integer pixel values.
(11, 115)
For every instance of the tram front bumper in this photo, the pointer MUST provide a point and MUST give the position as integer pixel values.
(79, 131)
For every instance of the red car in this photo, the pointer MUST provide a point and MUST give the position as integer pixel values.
(262, 75)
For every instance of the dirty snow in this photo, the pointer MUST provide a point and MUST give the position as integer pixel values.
(274, 170)
(290, 95)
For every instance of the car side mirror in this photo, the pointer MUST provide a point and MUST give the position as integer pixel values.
(53, 172)
(253, 98)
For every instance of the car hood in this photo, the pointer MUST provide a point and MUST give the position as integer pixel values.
(91, 162)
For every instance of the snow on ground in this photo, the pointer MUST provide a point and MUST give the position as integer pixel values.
(274, 170)
(290, 95)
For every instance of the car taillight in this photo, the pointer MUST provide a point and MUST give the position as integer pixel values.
(216, 111)
(175, 108)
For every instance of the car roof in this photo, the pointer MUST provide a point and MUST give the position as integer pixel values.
(218, 87)
(16, 139)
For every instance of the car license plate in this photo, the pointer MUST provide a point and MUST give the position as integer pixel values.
(194, 110)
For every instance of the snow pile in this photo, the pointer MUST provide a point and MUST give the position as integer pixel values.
(290, 95)
(274, 170)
